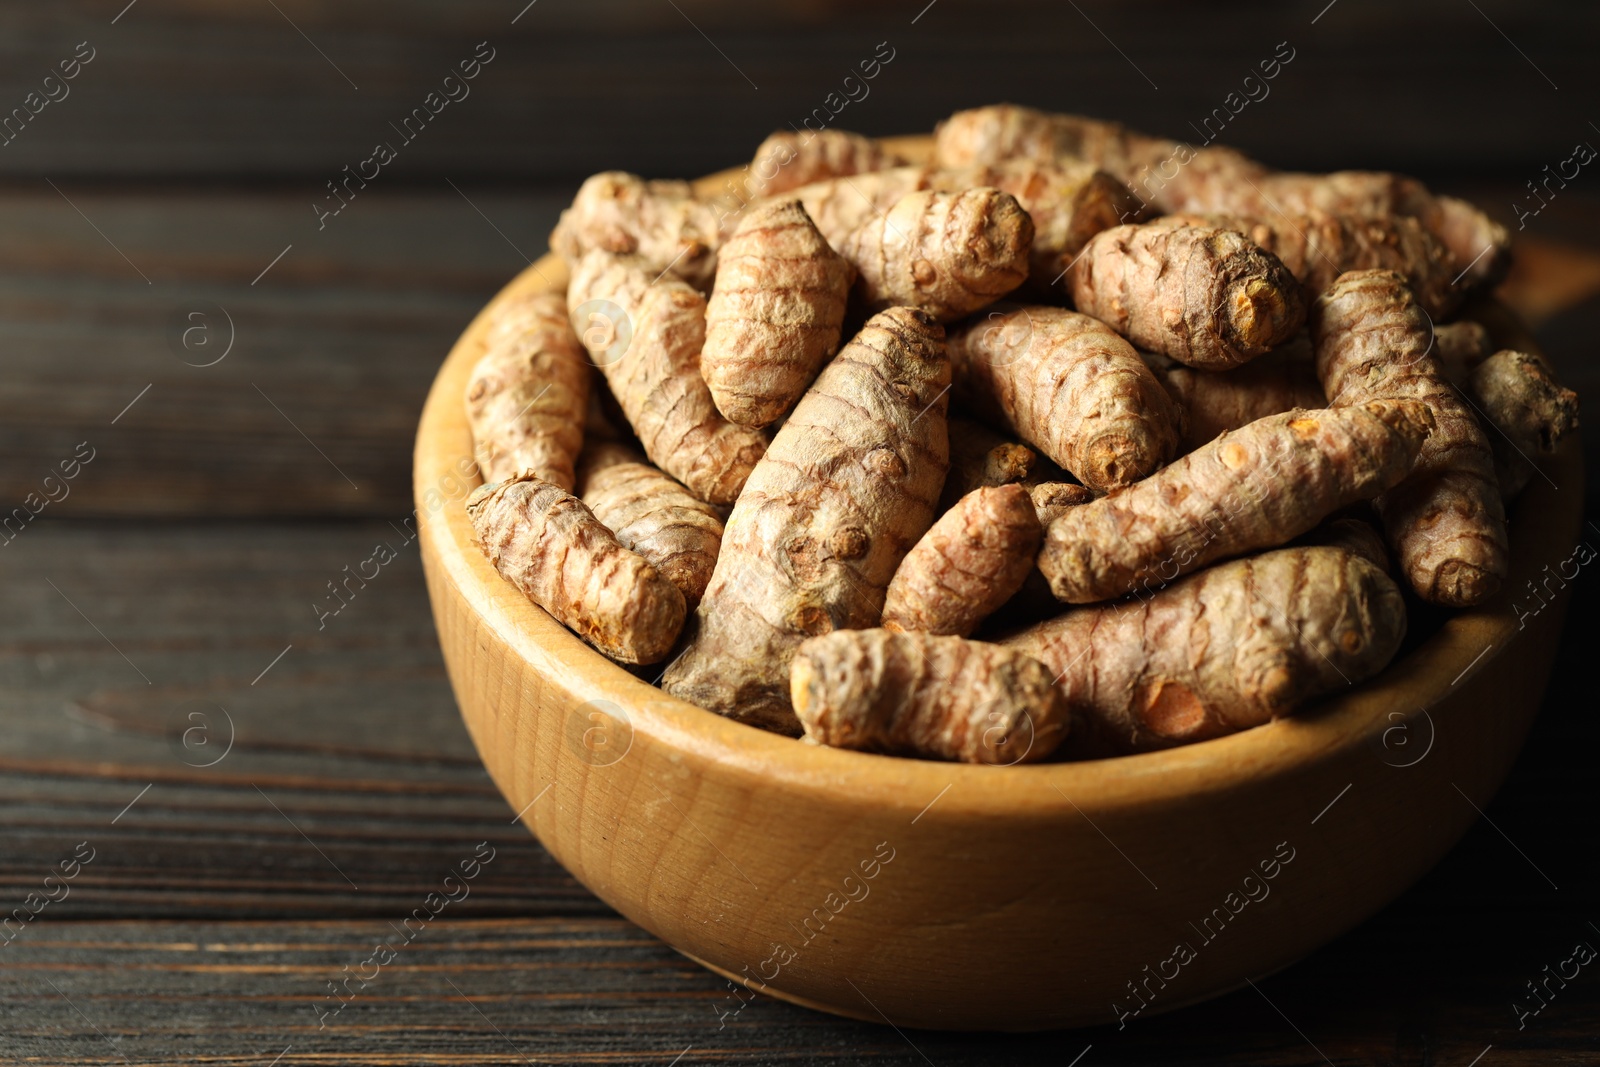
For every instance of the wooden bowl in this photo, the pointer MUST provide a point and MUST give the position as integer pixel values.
(969, 897)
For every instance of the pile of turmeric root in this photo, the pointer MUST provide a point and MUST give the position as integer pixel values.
(1184, 480)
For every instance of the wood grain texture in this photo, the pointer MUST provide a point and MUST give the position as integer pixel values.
(721, 839)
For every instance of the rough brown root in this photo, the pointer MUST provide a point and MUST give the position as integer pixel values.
(1253, 488)
(972, 560)
(1206, 297)
(1317, 247)
(549, 545)
(981, 458)
(946, 253)
(839, 206)
(527, 396)
(1445, 521)
(1220, 651)
(920, 695)
(847, 487)
(1176, 177)
(656, 375)
(1216, 401)
(1069, 202)
(1069, 386)
(787, 160)
(1519, 394)
(1050, 499)
(653, 515)
(1460, 347)
(659, 221)
(775, 313)
(1354, 535)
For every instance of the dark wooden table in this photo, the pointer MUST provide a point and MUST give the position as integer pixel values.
(246, 800)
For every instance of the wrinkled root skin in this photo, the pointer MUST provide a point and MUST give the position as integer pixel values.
(1224, 650)
(933, 697)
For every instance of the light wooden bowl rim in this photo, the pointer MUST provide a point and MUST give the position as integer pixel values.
(1466, 643)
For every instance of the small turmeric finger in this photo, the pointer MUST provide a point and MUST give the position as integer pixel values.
(1050, 499)
(775, 313)
(527, 396)
(1519, 394)
(1460, 347)
(787, 161)
(972, 560)
(1445, 521)
(549, 545)
(1068, 385)
(920, 695)
(656, 377)
(1229, 648)
(651, 514)
(662, 222)
(1215, 401)
(980, 458)
(847, 487)
(1068, 200)
(946, 253)
(1253, 488)
(1208, 298)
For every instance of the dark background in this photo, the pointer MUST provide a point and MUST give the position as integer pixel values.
(188, 555)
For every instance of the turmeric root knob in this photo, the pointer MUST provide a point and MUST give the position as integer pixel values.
(785, 161)
(947, 253)
(1253, 488)
(662, 222)
(921, 695)
(549, 545)
(774, 315)
(1519, 393)
(528, 394)
(1206, 297)
(1229, 648)
(968, 563)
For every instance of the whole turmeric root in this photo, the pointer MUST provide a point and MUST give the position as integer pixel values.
(1445, 521)
(549, 545)
(1519, 394)
(1220, 651)
(1178, 178)
(1318, 247)
(972, 560)
(651, 514)
(1069, 202)
(787, 161)
(980, 459)
(775, 313)
(1069, 386)
(1216, 401)
(1253, 488)
(662, 222)
(527, 396)
(846, 488)
(920, 695)
(656, 378)
(1208, 298)
(947, 253)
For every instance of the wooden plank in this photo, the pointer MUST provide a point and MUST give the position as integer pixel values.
(347, 764)
(271, 90)
(311, 411)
